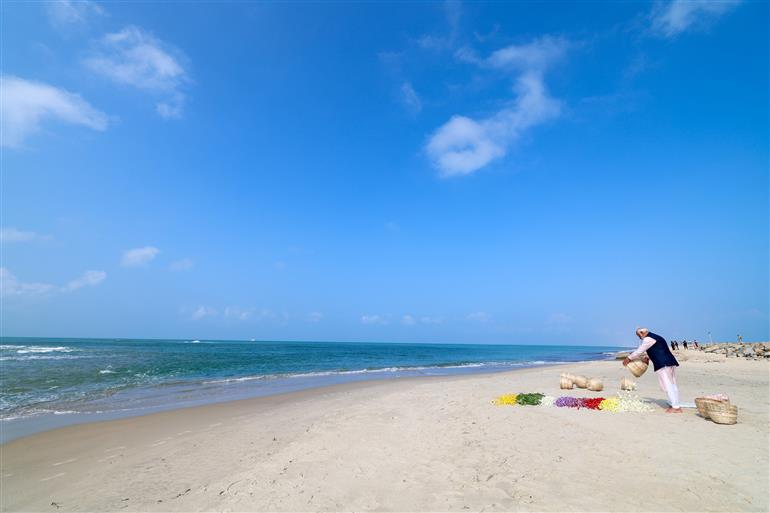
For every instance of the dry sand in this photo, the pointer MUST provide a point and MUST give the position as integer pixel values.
(433, 444)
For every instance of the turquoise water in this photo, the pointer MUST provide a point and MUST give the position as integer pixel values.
(48, 382)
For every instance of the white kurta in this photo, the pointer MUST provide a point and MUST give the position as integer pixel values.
(666, 375)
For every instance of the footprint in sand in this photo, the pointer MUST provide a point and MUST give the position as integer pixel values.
(63, 462)
(53, 477)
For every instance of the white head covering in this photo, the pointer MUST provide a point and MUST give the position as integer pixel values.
(642, 331)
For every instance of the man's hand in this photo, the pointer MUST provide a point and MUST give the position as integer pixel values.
(626, 362)
(646, 359)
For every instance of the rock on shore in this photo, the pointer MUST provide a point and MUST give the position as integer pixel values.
(751, 350)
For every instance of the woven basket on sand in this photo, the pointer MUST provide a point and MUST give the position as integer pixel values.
(565, 383)
(627, 384)
(727, 414)
(580, 381)
(637, 367)
(702, 404)
(595, 384)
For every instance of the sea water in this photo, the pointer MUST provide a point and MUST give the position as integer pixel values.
(49, 382)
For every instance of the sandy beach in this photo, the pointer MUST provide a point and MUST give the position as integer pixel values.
(432, 444)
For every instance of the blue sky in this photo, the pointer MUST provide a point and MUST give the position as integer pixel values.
(439, 172)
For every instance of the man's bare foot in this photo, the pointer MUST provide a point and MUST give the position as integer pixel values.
(673, 410)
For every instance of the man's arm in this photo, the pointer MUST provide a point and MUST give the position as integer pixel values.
(646, 343)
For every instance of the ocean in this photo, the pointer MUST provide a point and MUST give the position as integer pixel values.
(52, 382)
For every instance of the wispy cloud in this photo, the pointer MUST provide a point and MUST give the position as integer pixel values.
(452, 10)
(184, 264)
(11, 286)
(136, 58)
(202, 312)
(139, 256)
(392, 227)
(464, 145)
(67, 14)
(672, 18)
(26, 104)
(241, 314)
(9, 235)
(375, 319)
(315, 316)
(410, 98)
(558, 318)
(411, 320)
(479, 317)
(87, 279)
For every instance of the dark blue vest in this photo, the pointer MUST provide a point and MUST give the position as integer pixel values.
(660, 354)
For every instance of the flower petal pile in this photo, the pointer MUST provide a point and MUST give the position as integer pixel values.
(624, 402)
(506, 399)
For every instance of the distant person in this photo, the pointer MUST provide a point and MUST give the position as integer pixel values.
(663, 362)
(676, 345)
(684, 343)
(672, 345)
(695, 342)
(740, 338)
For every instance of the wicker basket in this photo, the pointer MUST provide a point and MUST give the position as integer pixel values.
(580, 381)
(727, 414)
(627, 384)
(637, 367)
(595, 384)
(565, 383)
(702, 403)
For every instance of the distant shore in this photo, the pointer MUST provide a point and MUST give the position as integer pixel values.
(432, 444)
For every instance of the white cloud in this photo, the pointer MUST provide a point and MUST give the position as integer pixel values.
(673, 18)
(139, 256)
(202, 312)
(479, 317)
(315, 316)
(11, 286)
(410, 320)
(10, 235)
(410, 98)
(374, 319)
(234, 312)
(463, 145)
(559, 318)
(66, 14)
(26, 104)
(184, 264)
(137, 58)
(87, 279)
(535, 56)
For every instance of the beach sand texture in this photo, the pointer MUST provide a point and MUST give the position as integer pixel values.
(432, 444)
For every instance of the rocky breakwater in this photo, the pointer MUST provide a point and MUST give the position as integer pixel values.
(751, 350)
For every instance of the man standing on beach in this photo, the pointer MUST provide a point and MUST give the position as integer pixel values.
(663, 362)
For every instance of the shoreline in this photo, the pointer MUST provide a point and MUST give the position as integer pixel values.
(413, 444)
(80, 419)
(52, 383)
